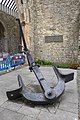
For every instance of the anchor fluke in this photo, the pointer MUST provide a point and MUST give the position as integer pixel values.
(39, 98)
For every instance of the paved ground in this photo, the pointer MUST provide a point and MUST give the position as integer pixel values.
(78, 81)
(65, 109)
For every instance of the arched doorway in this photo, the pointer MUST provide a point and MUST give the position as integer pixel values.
(2, 37)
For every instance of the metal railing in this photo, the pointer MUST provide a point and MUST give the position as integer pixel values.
(8, 10)
(11, 61)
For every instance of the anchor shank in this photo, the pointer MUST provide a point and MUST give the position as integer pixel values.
(35, 68)
(43, 83)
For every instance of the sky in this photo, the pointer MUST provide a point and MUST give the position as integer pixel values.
(10, 4)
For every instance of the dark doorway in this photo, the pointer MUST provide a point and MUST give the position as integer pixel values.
(2, 37)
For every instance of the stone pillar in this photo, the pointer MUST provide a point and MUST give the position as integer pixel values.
(24, 17)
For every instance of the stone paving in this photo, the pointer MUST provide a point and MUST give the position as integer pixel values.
(66, 107)
(78, 81)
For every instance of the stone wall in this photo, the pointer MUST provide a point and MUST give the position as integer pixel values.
(11, 37)
(79, 42)
(55, 18)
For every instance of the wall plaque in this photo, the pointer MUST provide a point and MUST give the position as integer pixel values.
(56, 38)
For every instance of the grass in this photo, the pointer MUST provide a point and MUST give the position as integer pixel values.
(59, 65)
(49, 63)
(43, 62)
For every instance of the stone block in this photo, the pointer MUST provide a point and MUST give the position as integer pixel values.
(30, 112)
(60, 115)
(1, 109)
(11, 106)
(10, 115)
(70, 107)
(28, 118)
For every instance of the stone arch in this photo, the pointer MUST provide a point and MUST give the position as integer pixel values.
(3, 33)
(5, 28)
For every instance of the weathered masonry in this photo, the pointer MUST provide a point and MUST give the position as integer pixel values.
(53, 29)
(56, 30)
(9, 31)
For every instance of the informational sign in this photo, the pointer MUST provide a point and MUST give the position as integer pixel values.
(56, 38)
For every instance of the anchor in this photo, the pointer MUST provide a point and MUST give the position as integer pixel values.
(48, 95)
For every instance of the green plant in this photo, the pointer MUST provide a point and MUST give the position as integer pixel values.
(49, 63)
(62, 65)
(43, 62)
